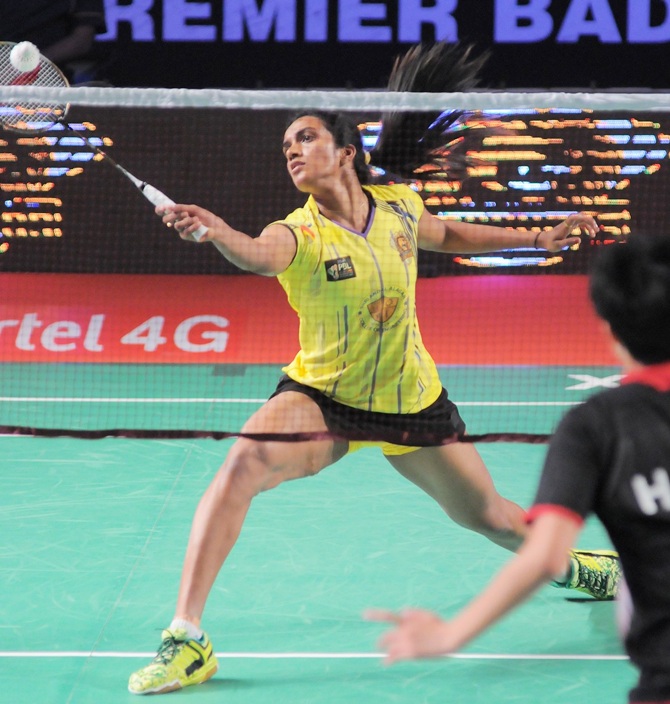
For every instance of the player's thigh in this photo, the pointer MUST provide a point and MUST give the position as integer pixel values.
(287, 414)
(454, 475)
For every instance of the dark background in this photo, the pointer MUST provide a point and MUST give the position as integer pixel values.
(604, 55)
(230, 161)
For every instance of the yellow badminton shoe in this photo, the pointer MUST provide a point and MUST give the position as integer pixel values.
(181, 661)
(594, 572)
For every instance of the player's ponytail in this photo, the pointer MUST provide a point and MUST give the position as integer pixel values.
(412, 140)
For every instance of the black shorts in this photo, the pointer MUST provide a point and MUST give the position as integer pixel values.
(438, 424)
(652, 688)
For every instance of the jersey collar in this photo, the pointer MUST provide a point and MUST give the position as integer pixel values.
(654, 375)
(316, 214)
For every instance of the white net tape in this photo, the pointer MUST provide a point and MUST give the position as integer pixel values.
(359, 101)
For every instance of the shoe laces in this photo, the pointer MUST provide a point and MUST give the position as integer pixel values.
(594, 579)
(167, 649)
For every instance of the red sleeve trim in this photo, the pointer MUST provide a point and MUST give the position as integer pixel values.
(654, 375)
(540, 509)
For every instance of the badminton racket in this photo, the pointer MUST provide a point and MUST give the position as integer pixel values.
(35, 116)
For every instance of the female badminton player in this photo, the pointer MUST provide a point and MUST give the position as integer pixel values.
(348, 263)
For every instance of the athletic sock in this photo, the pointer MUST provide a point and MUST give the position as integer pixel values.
(567, 577)
(192, 631)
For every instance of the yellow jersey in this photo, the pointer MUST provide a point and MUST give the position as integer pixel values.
(354, 293)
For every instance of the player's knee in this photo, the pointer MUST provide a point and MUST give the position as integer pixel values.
(246, 472)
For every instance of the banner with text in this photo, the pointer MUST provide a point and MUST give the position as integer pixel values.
(292, 43)
(246, 320)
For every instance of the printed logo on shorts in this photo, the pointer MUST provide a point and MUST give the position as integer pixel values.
(340, 268)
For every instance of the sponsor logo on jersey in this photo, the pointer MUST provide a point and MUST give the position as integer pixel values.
(307, 232)
(402, 244)
(382, 309)
(340, 268)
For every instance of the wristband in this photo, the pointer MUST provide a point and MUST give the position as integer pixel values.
(537, 237)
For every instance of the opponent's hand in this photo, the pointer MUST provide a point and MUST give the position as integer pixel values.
(416, 634)
(561, 236)
(187, 219)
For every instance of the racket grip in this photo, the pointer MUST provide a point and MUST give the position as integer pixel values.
(158, 198)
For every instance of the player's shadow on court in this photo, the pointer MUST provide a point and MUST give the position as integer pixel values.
(225, 684)
(221, 683)
(601, 614)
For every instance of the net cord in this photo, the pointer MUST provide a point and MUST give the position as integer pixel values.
(424, 440)
(336, 100)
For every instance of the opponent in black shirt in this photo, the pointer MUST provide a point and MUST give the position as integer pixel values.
(610, 457)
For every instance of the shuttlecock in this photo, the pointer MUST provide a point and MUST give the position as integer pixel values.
(24, 57)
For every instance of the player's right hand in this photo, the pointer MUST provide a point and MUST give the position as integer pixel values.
(189, 221)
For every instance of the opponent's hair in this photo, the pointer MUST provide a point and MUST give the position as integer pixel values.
(630, 289)
(410, 141)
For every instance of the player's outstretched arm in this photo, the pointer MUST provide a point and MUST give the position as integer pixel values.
(421, 634)
(470, 238)
(268, 254)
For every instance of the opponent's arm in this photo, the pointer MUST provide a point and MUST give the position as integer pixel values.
(543, 556)
(268, 254)
(439, 235)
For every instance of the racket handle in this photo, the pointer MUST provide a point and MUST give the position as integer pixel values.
(158, 198)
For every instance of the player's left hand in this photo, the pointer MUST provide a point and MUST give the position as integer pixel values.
(562, 236)
(416, 634)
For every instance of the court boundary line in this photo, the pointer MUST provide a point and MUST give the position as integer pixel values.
(314, 656)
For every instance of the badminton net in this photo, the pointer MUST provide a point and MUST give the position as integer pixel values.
(111, 325)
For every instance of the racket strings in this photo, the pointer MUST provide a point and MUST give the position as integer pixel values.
(30, 115)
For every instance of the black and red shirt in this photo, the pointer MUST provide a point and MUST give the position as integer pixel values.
(611, 456)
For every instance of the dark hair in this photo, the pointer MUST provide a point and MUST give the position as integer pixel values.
(630, 288)
(411, 140)
(345, 131)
